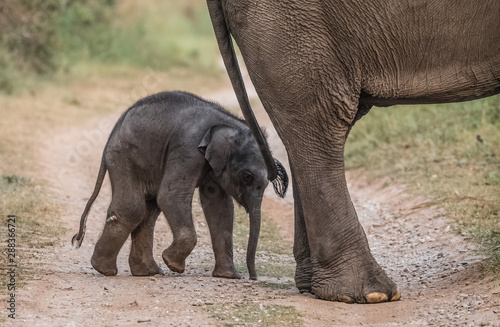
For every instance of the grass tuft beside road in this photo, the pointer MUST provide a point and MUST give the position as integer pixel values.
(251, 314)
(35, 225)
(449, 153)
(274, 256)
(36, 215)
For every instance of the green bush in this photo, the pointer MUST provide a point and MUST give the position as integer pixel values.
(28, 40)
(41, 37)
(29, 33)
(85, 30)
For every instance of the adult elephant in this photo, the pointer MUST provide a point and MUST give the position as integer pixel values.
(320, 65)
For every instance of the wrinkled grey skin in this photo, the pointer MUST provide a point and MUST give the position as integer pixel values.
(320, 65)
(160, 150)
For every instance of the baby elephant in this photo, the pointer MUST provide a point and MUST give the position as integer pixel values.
(160, 150)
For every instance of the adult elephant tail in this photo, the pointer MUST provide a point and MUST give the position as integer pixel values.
(275, 170)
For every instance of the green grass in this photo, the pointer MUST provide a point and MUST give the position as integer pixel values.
(250, 314)
(36, 215)
(270, 239)
(75, 36)
(450, 153)
(36, 222)
(277, 267)
(274, 256)
(27, 41)
(287, 285)
(156, 34)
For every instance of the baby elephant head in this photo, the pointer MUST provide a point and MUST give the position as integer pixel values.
(238, 166)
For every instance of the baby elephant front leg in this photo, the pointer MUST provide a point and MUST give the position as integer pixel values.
(219, 212)
(177, 210)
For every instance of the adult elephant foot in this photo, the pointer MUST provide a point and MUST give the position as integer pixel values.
(226, 272)
(342, 271)
(364, 283)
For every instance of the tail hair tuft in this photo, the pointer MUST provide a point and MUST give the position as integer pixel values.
(280, 183)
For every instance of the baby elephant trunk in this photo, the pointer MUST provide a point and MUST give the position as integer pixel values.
(253, 238)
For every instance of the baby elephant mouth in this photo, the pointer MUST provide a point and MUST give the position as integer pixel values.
(244, 205)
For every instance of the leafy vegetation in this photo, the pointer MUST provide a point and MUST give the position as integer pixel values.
(40, 39)
(450, 153)
(156, 34)
(27, 39)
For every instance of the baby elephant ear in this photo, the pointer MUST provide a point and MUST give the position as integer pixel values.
(216, 145)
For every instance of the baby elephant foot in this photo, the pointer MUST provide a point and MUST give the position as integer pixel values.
(105, 267)
(174, 262)
(226, 272)
(145, 269)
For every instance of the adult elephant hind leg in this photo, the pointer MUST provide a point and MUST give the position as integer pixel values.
(141, 259)
(219, 212)
(343, 268)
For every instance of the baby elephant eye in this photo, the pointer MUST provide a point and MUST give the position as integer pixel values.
(247, 178)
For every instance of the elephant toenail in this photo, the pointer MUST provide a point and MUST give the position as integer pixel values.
(376, 297)
(396, 296)
(346, 299)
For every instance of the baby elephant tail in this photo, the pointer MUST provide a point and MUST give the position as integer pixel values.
(78, 238)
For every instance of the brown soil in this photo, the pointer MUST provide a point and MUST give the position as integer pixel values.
(437, 271)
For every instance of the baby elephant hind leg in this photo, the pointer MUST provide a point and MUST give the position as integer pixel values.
(125, 212)
(219, 212)
(106, 250)
(141, 259)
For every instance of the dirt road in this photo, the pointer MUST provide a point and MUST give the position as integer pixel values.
(436, 270)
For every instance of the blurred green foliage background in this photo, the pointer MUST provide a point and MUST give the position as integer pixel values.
(48, 37)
